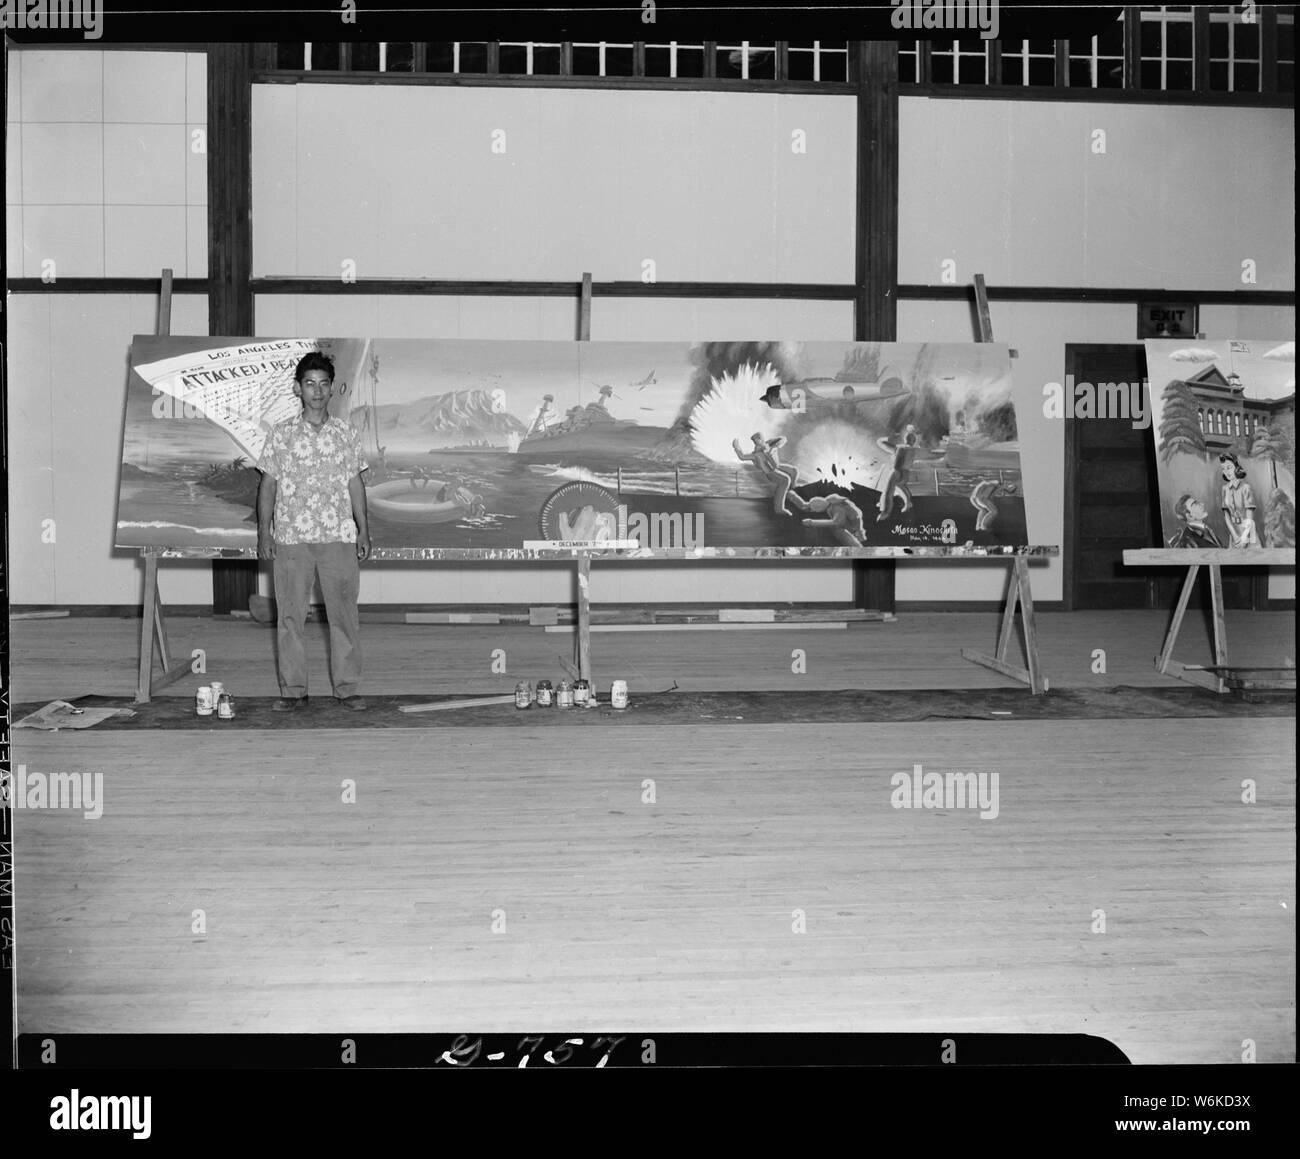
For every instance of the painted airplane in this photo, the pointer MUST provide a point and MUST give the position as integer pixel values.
(841, 389)
(648, 380)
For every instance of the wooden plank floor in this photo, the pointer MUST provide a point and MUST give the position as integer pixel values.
(675, 915)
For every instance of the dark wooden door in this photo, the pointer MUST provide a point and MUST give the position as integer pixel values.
(1112, 500)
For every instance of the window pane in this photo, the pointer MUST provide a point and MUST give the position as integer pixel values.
(325, 54)
(1042, 48)
(618, 60)
(546, 60)
(1219, 39)
(1178, 38)
(941, 68)
(762, 62)
(1080, 74)
(586, 60)
(1178, 75)
(1110, 41)
(835, 66)
(658, 60)
(1246, 79)
(1246, 41)
(1110, 74)
(1151, 40)
(473, 56)
(1081, 46)
(974, 69)
(1219, 76)
(437, 56)
(400, 56)
(728, 61)
(1285, 41)
(690, 61)
(1286, 76)
(290, 55)
(365, 57)
(1013, 70)
(1042, 71)
(1151, 75)
(799, 66)
(512, 60)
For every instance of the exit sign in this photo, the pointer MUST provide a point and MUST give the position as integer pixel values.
(1167, 319)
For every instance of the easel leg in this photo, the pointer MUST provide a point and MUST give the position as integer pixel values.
(1189, 584)
(584, 620)
(150, 611)
(1220, 624)
(1018, 593)
(1009, 615)
(160, 627)
(1037, 682)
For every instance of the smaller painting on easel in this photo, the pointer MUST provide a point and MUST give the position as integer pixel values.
(1223, 414)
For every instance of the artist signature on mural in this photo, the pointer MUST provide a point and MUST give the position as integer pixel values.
(928, 532)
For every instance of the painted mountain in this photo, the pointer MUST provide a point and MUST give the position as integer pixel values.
(461, 418)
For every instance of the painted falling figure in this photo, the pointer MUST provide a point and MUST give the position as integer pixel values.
(782, 476)
(981, 498)
(843, 516)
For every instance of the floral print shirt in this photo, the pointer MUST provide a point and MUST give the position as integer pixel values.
(312, 467)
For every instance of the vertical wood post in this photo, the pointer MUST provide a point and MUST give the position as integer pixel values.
(230, 246)
(873, 68)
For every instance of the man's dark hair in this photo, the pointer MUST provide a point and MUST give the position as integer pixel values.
(314, 361)
(1180, 508)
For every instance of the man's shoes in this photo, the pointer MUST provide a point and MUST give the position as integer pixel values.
(355, 703)
(289, 704)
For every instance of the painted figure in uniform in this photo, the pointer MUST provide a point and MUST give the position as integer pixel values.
(1238, 503)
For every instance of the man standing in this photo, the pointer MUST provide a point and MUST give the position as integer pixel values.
(312, 521)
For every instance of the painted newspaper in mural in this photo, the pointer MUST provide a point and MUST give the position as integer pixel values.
(1223, 414)
(476, 446)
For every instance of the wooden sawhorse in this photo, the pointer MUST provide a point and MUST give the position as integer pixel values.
(1214, 676)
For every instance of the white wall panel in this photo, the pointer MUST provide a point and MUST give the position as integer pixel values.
(706, 185)
(1181, 196)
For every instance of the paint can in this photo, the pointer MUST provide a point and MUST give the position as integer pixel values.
(204, 703)
(564, 695)
(581, 693)
(523, 695)
(545, 694)
(226, 707)
(618, 694)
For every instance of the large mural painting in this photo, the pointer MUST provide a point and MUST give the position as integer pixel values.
(485, 448)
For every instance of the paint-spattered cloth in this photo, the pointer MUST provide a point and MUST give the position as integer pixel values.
(60, 714)
(312, 467)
